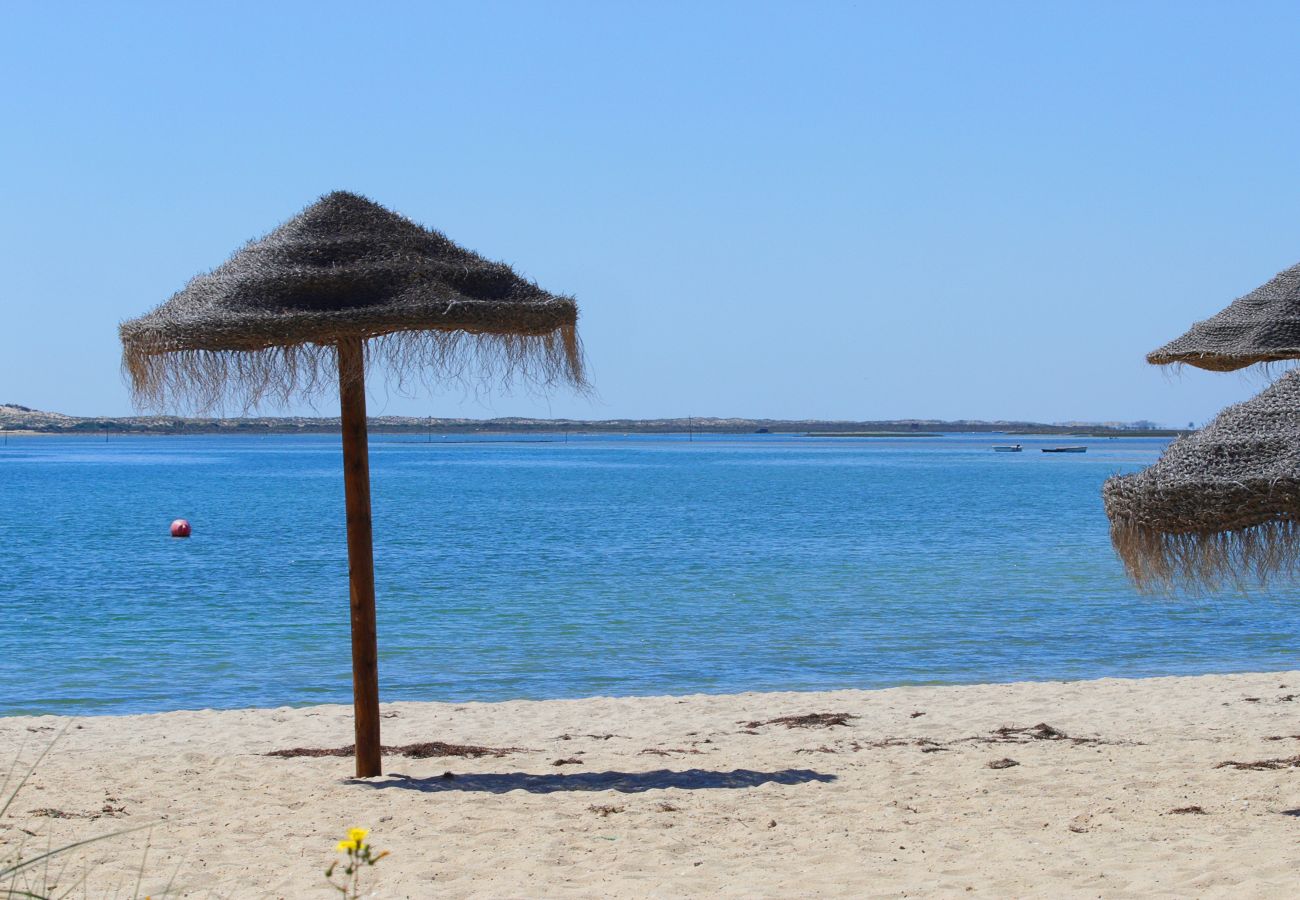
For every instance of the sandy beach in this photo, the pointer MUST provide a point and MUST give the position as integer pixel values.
(1114, 789)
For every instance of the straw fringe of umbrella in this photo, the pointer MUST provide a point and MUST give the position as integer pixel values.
(1259, 548)
(272, 376)
(1222, 505)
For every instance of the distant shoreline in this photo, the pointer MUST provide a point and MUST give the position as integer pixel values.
(22, 421)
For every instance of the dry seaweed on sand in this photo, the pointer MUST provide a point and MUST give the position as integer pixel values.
(925, 744)
(570, 761)
(108, 810)
(881, 744)
(604, 810)
(807, 720)
(1260, 765)
(1188, 811)
(1006, 734)
(1005, 763)
(1040, 732)
(429, 749)
(594, 737)
(424, 750)
(49, 812)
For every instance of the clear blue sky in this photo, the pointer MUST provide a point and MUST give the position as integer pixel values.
(833, 210)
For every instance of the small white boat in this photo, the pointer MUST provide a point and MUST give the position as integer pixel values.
(1011, 448)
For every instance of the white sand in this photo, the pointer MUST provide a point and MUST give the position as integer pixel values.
(724, 812)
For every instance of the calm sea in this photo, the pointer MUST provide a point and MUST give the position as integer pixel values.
(539, 568)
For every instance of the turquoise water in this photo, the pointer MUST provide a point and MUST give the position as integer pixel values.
(605, 565)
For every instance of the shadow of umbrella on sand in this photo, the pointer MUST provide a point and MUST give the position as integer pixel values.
(623, 782)
(343, 285)
(1223, 504)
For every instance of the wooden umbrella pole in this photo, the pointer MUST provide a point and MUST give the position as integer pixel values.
(361, 559)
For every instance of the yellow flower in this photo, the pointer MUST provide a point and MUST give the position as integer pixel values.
(358, 834)
(347, 846)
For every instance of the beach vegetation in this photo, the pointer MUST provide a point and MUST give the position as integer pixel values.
(43, 872)
(344, 875)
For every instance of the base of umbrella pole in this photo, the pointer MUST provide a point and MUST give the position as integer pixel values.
(361, 559)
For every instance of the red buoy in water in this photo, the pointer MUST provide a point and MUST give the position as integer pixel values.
(181, 528)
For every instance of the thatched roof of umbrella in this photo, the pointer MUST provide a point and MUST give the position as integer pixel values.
(1221, 504)
(263, 325)
(1261, 327)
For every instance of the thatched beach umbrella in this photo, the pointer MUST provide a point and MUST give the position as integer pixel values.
(1261, 327)
(344, 284)
(1222, 503)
